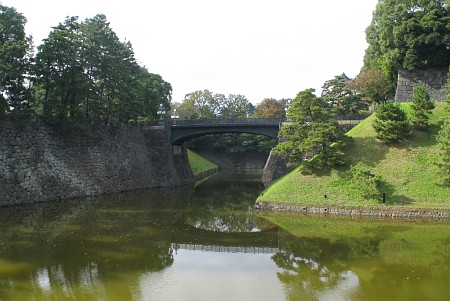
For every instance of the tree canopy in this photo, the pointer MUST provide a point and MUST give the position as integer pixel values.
(312, 131)
(81, 74)
(391, 124)
(421, 107)
(15, 62)
(408, 34)
(206, 104)
(340, 95)
(373, 86)
(270, 108)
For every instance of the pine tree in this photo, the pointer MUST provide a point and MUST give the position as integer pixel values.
(391, 124)
(443, 139)
(421, 107)
(313, 130)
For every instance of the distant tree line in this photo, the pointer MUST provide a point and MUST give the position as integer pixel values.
(82, 74)
(207, 104)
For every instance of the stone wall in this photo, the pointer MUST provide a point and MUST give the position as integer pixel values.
(390, 212)
(434, 80)
(275, 167)
(38, 163)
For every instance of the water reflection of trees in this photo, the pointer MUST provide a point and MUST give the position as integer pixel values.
(313, 265)
(67, 248)
(224, 205)
(223, 222)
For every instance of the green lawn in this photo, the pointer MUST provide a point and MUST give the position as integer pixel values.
(199, 164)
(410, 178)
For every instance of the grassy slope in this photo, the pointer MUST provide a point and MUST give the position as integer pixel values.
(411, 178)
(199, 164)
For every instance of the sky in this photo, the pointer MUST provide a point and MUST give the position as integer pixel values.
(256, 48)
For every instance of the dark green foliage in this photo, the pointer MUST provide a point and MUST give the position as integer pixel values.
(82, 75)
(326, 158)
(408, 34)
(313, 130)
(391, 124)
(15, 61)
(233, 143)
(341, 97)
(443, 139)
(364, 181)
(85, 74)
(421, 107)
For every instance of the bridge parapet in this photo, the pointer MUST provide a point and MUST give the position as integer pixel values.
(227, 122)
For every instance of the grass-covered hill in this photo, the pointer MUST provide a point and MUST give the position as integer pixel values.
(410, 177)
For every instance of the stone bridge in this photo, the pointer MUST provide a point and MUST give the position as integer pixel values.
(183, 130)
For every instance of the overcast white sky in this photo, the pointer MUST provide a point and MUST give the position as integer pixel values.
(257, 48)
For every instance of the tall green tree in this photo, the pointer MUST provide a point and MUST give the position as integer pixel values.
(443, 139)
(15, 59)
(151, 91)
(408, 34)
(198, 104)
(391, 124)
(313, 130)
(235, 106)
(113, 73)
(85, 74)
(59, 72)
(421, 107)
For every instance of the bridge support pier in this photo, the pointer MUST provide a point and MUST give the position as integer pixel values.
(177, 150)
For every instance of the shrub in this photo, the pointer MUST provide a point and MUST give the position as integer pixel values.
(421, 107)
(391, 124)
(362, 179)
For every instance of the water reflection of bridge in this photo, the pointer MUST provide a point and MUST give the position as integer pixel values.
(188, 237)
(225, 249)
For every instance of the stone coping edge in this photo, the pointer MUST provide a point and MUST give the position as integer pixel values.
(362, 212)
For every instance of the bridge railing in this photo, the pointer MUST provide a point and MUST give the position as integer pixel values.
(227, 122)
(240, 121)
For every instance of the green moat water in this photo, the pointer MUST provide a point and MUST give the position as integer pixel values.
(208, 243)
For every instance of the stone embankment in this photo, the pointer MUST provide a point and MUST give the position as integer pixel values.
(38, 163)
(434, 80)
(358, 212)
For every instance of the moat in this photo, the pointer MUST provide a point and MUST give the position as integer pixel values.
(208, 243)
